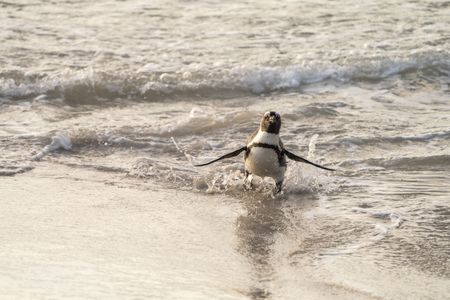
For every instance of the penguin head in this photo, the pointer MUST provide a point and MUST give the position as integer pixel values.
(271, 122)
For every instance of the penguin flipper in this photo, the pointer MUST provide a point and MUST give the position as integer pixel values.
(231, 154)
(301, 159)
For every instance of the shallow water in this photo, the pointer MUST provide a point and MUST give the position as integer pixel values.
(144, 90)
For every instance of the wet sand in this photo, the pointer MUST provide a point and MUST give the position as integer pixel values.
(71, 233)
(83, 234)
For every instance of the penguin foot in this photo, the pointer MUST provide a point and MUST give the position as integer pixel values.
(248, 185)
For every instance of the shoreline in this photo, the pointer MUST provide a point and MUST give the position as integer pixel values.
(77, 233)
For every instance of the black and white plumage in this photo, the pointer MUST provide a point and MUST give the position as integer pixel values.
(265, 155)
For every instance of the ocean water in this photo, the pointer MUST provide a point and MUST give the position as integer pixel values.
(144, 89)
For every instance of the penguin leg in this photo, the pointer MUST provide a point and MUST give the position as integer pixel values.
(279, 185)
(248, 180)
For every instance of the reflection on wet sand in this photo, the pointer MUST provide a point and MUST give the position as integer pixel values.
(257, 231)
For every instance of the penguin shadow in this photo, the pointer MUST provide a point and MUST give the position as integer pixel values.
(257, 230)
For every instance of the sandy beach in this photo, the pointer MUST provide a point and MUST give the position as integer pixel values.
(68, 233)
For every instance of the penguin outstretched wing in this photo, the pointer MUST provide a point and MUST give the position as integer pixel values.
(231, 154)
(301, 159)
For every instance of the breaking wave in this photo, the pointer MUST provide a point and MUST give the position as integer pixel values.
(91, 86)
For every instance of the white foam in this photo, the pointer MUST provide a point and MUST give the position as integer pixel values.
(59, 141)
(393, 217)
(301, 178)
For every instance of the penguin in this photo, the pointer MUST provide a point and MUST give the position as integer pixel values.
(265, 155)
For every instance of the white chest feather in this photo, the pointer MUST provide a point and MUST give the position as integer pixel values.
(264, 162)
